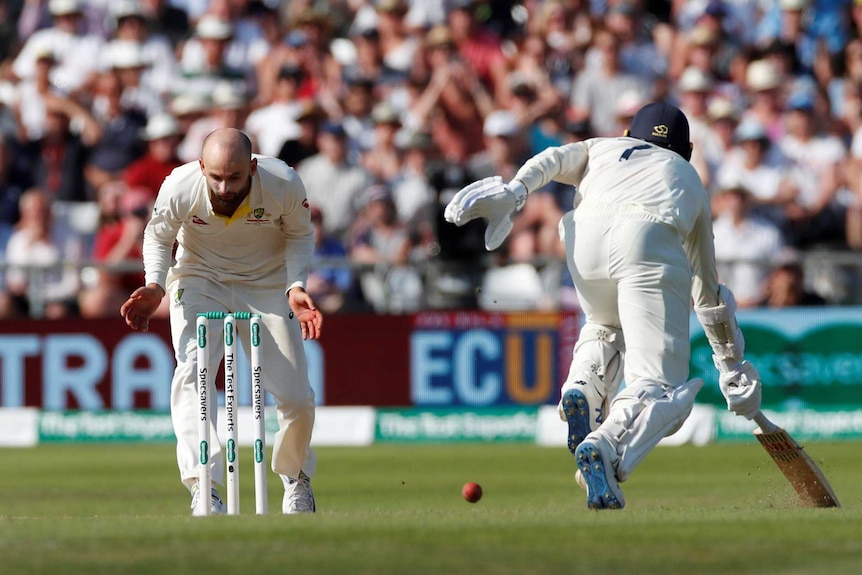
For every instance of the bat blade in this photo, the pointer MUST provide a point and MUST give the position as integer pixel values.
(804, 475)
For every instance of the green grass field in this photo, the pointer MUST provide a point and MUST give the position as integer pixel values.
(119, 509)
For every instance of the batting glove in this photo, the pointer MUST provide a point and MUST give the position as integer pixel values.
(490, 199)
(741, 388)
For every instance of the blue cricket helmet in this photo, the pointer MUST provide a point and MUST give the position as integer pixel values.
(663, 125)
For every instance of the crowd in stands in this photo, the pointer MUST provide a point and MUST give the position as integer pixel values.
(387, 107)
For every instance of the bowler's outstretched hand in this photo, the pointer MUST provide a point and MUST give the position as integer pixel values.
(310, 318)
(141, 306)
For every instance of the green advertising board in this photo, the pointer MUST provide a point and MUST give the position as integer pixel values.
(129, 426)
(808, 358)
(456, 424)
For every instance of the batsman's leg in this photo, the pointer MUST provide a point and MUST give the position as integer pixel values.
(594, 377)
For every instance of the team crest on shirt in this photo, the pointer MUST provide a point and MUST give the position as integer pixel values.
(178, 295)
(258, 216)
(198, 221)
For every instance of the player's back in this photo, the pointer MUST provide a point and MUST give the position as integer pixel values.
(628, 175)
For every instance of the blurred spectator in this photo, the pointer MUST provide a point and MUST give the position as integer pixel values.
(162, 136)
(817, 214)
(12, 186)
(266, 22)
(595, 93)
(634, 33)
(304, 145)
(188, 108)
(135, 21)
(695, 87)
(167, 18)
(331, 183)
(379, 240)
(714, 39)
(478, 46)
(785, 286)
(805, 25)
(272, 124)
(126, 59)
(76, 52)
(411, 191)
(539, 109)
(397, 48)
(453, 103)
(55, 162)
(745, 245)
(330, 286)
(382, 160)
(356, 105)
(566, 30)
(758, 166)
(119, 144)
(210, 57)
(764, 82)
(227, 109)
(124, 213)
(30, 94)
(35, 244)
(718, 139)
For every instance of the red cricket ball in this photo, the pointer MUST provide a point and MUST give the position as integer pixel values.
(472, 492)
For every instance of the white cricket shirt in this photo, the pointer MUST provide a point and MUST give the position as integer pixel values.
(633, 178)
(269, 240)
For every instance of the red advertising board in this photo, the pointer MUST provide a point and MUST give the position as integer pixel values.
(383, 361)
(101, 364)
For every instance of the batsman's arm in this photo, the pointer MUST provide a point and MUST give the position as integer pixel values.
(738, 379)
(565, 164)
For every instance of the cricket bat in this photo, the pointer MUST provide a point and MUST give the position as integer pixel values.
(800, 470)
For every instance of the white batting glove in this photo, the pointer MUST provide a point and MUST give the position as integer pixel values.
(490, 199)
(741, 388)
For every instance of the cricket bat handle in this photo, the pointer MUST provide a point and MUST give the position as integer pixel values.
(763, 423)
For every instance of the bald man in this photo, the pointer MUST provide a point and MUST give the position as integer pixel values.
(245, 239)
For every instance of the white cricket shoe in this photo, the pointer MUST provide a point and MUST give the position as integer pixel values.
(298, 497)
(599, 475)
(217, 506)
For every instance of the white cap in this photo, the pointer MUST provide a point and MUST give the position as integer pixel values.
(126, 54)
(750, 129)
(42, 49)
(762, 75)
(213, 28)
(189, 103)
(721, 108)
(160, 126)
(628, 103)
(501, 123)
(125, 8)
(793, 4)
(225, 97)
(694, 79)
(63, 7)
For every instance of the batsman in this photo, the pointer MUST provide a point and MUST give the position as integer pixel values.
(639, 248)
(242, 227)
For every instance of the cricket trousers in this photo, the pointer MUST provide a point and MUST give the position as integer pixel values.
(632, 273)
(285, 372)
